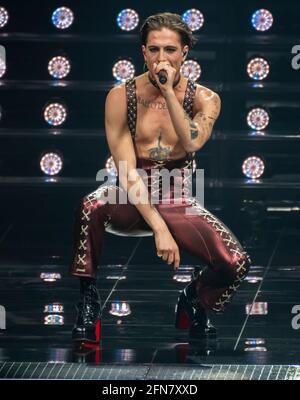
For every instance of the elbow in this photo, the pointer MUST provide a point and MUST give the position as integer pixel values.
(190, 149)
(193, 146)
(196, 144)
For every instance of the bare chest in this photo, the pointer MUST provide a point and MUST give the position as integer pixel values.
(154, 121)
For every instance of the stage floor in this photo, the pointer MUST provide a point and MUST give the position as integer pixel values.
(258, 335)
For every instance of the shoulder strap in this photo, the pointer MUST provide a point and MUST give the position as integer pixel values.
(188, 102)
(131, 105)
(189, 97)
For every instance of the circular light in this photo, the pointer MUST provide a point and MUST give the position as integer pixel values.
(258, 69)
(62, 18)
(258, 119)
(59, 67)
(128, 19)
(253, 167)
(2, 68)
(193, 18)
(51, 163)
(191, 70)
(123, 70)
(262, 20)
(1, 112)
(55, 114)
(111, 167)
(3, 17)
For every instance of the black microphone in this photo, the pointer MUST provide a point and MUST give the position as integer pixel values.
(162, 76)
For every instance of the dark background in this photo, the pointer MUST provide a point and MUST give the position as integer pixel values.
(94, 43)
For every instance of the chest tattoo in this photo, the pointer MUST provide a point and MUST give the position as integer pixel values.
(155, 105)
(160, 152)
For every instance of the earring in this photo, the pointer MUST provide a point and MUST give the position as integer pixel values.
(145, 67)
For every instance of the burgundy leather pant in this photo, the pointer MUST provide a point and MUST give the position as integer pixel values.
(201, 234)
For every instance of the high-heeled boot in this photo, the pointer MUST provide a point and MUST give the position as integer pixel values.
(88, 322)
(191, 315)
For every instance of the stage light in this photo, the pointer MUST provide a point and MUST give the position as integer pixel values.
(255, 342)
(182, 277)
(262, 20)
(258, 118)
(54, 308)
(111, 167)
(120, 309)
(253, 167)
(50, 276)
(55, 114)
(257, 308)
(116, 277)
(190, 69)
(2, 68)
(59, 67)
(258, 348)
(51, 163)
(193, 18)
(3, 17)
(123, 70)
(62, 18)
(54, 319)
(128, 19)
(125, 355)
(258, 69)
(253, 279)
(1, 113)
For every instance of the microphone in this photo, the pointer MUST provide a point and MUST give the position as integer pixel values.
(162, 76)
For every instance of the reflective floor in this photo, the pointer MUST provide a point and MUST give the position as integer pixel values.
(139, 293)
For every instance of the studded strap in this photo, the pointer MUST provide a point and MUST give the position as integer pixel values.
(189, 97)
(188, 102)
(131, 105)
(130, 86)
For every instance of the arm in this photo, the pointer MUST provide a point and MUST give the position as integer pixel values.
(195, 132)
(122, 149)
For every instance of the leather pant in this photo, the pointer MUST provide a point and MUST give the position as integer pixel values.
(200, 233)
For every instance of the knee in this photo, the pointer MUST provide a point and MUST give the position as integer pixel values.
(235, 268)
(239, 266)
(91, 205)
(242, 265)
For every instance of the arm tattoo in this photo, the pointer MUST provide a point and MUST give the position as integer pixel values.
(205, 122)
(193, 126)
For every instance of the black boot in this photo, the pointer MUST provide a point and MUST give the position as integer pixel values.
(87, 326)
(191, 315)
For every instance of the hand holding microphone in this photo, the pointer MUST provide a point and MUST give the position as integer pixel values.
(162, 76)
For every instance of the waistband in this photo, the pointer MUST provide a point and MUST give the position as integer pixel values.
(147, 163)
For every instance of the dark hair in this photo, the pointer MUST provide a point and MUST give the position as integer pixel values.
(167, 20)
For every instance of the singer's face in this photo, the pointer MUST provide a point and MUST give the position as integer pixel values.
(164, 46)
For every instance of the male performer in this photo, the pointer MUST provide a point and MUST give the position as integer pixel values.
(159, 120)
